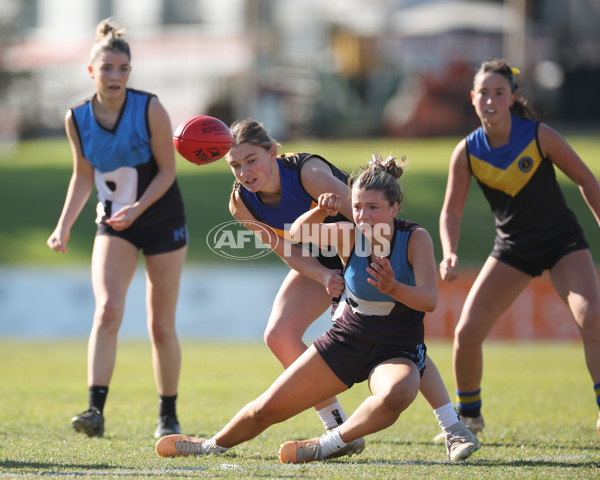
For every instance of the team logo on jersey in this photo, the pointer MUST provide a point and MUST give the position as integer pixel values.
(136, 143)
(235, 240)
(525, 164)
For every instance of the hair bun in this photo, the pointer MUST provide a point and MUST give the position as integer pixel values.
(108, 27)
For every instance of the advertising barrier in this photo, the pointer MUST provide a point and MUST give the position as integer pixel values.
(537, 314)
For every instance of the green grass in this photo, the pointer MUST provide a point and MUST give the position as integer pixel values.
(35, 174)
(538, 402)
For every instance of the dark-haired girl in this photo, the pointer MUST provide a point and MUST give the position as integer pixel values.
(512, 156)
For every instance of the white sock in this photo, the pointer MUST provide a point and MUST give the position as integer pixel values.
(211, 447)
(446, 415)
(332, 415)
(331, 442)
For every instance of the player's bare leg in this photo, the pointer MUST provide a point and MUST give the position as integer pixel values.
(496, 287)
(163, 273)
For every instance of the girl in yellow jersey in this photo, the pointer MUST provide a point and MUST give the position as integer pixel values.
(512, 157)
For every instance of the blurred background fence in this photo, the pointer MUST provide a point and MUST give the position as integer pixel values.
(339, 68)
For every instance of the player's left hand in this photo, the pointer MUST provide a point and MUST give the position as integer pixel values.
(123, 218)
(334, 283)
(382, 273)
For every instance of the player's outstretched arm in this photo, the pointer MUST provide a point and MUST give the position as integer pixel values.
(457, 188)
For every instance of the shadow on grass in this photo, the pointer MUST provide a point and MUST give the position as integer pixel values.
(82, 469)
(590, 448)
(530, 463)
(479, 460)
(17, 464)
(484, 444)
(485, 463)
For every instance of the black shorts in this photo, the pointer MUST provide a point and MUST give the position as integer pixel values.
(535, 264)
(352, 360)
(333, 263)
(151, 239)
(326, 256)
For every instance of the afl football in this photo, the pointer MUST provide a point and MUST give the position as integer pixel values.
(202, 140)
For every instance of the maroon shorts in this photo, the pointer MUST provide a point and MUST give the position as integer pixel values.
(352, 359)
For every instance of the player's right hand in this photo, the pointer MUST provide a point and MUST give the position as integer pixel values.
(58, 240)
(331, 203)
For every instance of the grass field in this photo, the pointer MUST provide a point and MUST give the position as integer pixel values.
(34, 178)
(540, 419)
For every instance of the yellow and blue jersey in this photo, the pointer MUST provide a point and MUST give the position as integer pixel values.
(295, 200)
(520, 185)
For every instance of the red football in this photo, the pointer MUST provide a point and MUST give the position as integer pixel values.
(202, 140)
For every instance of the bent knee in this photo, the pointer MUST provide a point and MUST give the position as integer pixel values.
(588, 319)
(280, 339)
(468, 335)
(397, 399)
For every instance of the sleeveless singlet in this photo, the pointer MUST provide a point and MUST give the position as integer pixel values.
(123, 162)
(375, 316)
(295, 200)
(520, 186)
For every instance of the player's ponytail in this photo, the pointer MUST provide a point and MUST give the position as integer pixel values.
(382, 175)
(109, 37)
(521, 108)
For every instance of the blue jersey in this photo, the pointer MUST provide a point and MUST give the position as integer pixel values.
(374, 315)
(123, 161)
(295, 200)
(520, 185)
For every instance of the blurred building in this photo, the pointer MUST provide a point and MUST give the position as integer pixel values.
(340, 68)
(187, 52)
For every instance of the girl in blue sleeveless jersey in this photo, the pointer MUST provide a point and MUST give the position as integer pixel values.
(121, 142)
(274, 190)
(377, 335)
(512, 157)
